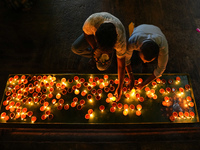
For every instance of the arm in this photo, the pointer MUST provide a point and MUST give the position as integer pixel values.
(131, 77)
(91, 40)
(121, 74)
(162, 62)
(162, 58)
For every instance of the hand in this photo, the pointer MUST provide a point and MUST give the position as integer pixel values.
(118, 93)
(97, 53)
(140, 86)
(130, 85)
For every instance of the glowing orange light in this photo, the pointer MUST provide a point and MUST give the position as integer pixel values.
(138, 113)
(139, 107)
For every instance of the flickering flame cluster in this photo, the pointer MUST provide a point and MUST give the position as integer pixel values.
(27, 94)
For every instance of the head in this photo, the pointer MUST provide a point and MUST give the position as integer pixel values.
(149, 51)
(106, 36)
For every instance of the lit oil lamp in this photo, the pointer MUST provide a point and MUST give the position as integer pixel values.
(108, 100)
(82, 102)
(132, 107)
(125, 112)
(173, 89)
(116, 81)
(83, 93)
(175, 114)
(163, 81)
(170, 81)
(61, 101)
(73, 104)
(191, 104)
(158, 80)
(43, 117)
(140, 80)
(127, 95)
(63, 80)
(90, 111)
(187, 87)
(102, 107)
(155, 96)
(139, 107)
(186, 114)
(87, 116)
(125, 106)
(172, 118)
(6, 118)
(30, 113)
(137, 96)
(82, 80)
(91, 79)
(66, 107)
(168, 89)
(42, 108)
(138, 113)
(112, 109)
(101, 86)
(105, 77)
(58, 95)
(33, 119)
(110, 95)
(3, 114)
(166, 98)
(76, 78)
(79, 107)
(154, 84)
(192, 114)
(76, 91)
(178, 79)
(59, 107)
(188, 98)
(181, 114)
(141, 99)
(106, 89)
(119, 105)
(53, 101)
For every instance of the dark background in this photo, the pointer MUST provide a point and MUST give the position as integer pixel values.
(39, 40)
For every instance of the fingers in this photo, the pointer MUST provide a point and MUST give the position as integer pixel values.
(118, 99)
(116, 95)
(139, 87)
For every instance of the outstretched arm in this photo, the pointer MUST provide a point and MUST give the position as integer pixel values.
(131, 76)
(121, 74)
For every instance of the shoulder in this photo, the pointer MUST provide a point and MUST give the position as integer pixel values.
(137, 37)
(95, 20)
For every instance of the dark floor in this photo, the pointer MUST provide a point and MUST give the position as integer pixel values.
(39, 41)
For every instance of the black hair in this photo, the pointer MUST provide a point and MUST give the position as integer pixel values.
(106, 36)
(150, 50)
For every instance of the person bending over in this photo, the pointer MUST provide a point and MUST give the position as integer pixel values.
(102, 34)
(150, 43)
